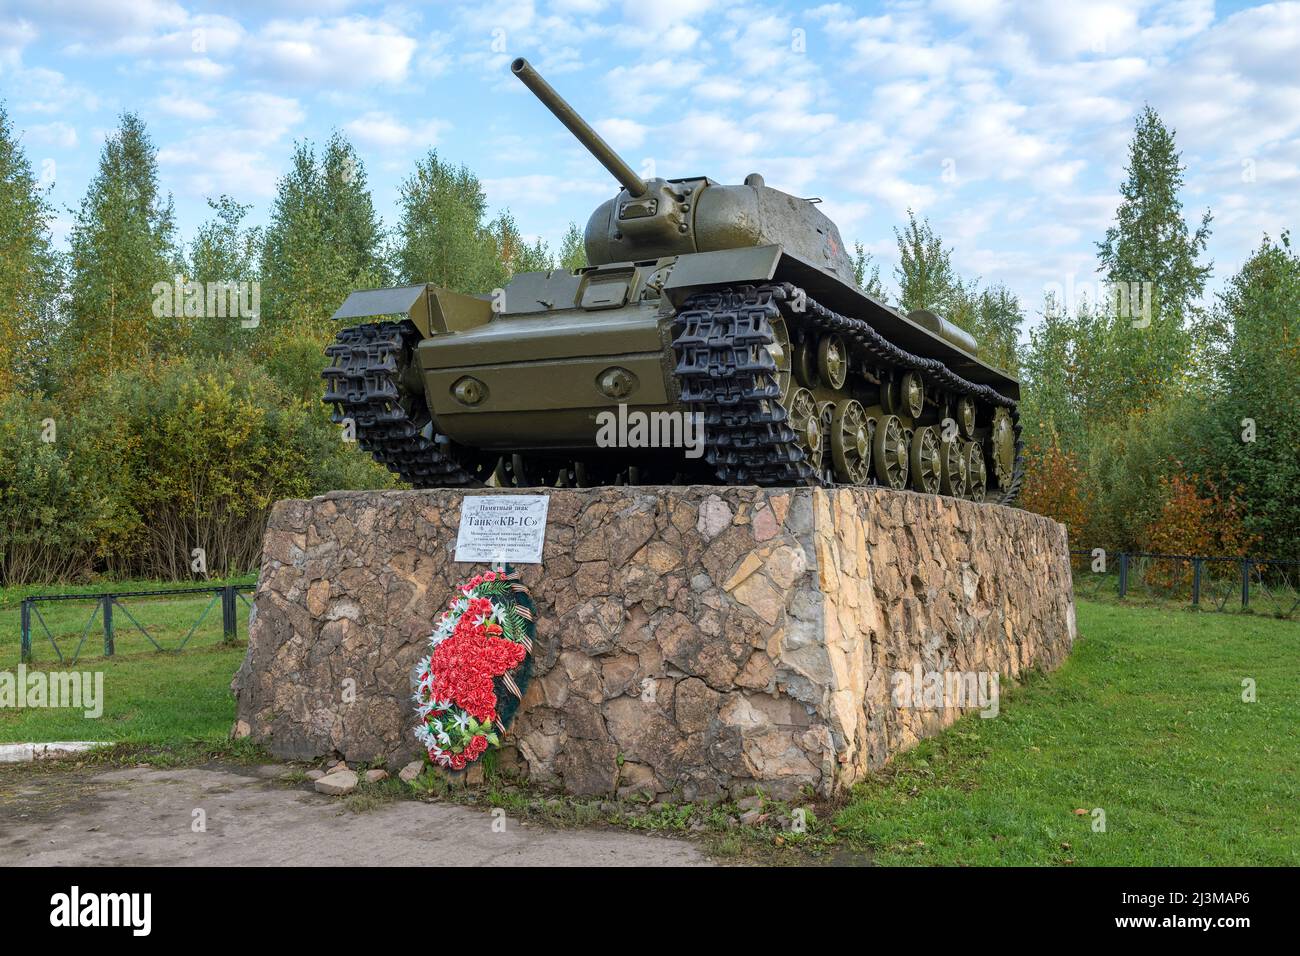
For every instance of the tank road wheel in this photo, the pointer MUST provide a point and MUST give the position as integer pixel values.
(889, 452)
(805, 421)
(781, 352)
(966, 416)
(1002, 446)
(851, 443)
(832, 361)
(976, 473)
(952, 468)
(924, 455)
(912, 394)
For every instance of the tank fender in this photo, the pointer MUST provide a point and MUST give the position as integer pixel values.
(431, 309)
(698, 270)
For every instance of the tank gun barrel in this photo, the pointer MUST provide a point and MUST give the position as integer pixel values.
(579, 127)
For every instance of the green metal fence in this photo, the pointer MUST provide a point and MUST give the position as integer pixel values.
(1266, 585)
(106, 606)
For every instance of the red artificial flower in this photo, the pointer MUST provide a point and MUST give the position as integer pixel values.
(475, 748)
(466, 662)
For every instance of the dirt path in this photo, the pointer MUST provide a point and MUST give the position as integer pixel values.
(146, 817)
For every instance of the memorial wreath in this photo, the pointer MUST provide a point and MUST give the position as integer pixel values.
(469, 686)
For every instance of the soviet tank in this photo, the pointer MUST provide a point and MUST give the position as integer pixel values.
(717, 335)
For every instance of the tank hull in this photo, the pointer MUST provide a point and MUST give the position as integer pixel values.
(541, 375)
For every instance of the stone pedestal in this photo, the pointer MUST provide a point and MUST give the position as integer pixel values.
(691, 640)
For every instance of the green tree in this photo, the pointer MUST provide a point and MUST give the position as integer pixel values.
(442, 235)
(573, 250)
(29, 269)
(351, 223)
(513, 252)
(1152, 257)
(224, 251)
(1253, 444)
(998, 318)
(926, 278)
(121, 245)
(1050, 371)
(323, 240)
(866, 273)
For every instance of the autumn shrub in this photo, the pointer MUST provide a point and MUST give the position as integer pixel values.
(1194, 524)
(1053, 486)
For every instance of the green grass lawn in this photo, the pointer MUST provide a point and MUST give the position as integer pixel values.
(164, 698)
(1144, 721)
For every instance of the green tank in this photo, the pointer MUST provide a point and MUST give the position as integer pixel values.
(717, 336)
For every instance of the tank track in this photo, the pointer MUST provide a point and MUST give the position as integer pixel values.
(726, 372)
(363, 383)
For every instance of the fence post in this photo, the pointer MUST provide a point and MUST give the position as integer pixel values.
(26, 614)
(107, 602)
(1123, 573)
(1245, 583)
(228, 628)
(1196, 581)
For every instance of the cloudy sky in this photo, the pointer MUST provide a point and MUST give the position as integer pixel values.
(1005, 123)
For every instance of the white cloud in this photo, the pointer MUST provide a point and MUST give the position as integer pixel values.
(213, 162)
(385, 131)
(57, 134)
(14, 36)
(102, 19)
(272, 116)
(186, 107)
(621, 133)
(348, 51)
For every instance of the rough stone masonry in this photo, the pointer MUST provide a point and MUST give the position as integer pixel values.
(698, 641)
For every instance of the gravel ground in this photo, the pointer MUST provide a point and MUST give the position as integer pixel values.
(146, 817)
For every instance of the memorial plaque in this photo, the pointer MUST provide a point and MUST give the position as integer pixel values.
(495, 529)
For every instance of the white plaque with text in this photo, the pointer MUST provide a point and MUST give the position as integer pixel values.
(495, 529)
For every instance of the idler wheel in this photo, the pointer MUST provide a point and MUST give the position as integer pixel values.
(851, 438)
(805, 420)
(925, 463)
(781, 352)
(889, 452)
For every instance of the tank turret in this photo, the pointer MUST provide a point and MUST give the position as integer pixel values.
(657, 217)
